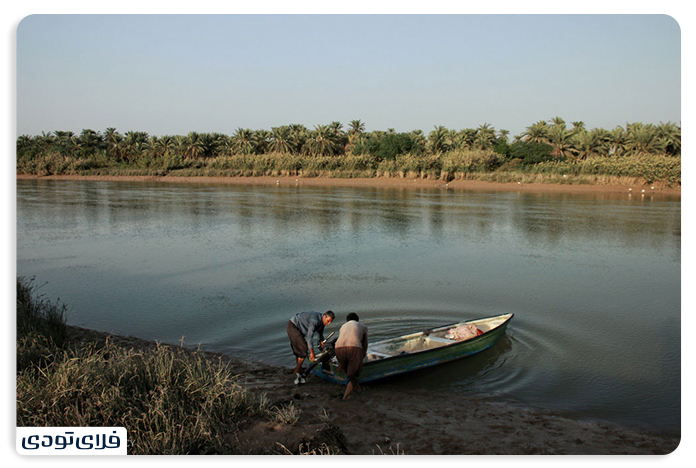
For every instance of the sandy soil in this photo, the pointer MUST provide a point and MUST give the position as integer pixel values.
(381, 420)
(394, 182)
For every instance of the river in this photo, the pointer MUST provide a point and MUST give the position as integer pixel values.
(593, 279)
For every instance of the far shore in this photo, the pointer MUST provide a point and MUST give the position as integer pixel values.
(384, 182)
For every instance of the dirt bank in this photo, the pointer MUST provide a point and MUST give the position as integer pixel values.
(394, 182)
(381, 419)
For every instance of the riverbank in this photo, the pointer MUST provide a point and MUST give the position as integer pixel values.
(380, 420)
(381, 182)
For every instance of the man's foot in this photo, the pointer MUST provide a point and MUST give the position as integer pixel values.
(299, 379)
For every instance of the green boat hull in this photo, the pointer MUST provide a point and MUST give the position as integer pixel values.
(409, 362)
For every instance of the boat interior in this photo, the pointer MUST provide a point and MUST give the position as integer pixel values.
(428, 339)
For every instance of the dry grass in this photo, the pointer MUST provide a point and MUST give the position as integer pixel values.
(287, 415)
(171, 400)
(460, 164)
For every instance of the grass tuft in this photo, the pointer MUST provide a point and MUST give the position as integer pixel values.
(288, 415)
(170, 400)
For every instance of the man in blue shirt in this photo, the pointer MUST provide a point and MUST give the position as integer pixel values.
(302, 330)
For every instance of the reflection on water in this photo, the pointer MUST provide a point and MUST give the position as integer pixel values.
(593, 279)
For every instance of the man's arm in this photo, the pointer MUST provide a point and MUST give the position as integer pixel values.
(309, 337)
(364, 343)
(312, 328)
(321, 335)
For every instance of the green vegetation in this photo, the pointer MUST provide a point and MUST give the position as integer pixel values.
(644, 153)
(170, 400)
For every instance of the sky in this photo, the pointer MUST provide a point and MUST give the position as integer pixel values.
(172, 74)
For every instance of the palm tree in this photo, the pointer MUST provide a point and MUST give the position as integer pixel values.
(152, 143)
(467, 137)
(356, 128)
(604, 138)
(557, 121)
(559, 137)
(670, 135)
(455, 139)
(281, 140)
(75, 145)
(113, 141)
(262, 139)
(537, 132)
(578, 126)
(194, 146)
(299, 134)
(180, 144)
(220, 143)
(643, 139)
(321, 141)
(45, 140)
(64, 142)
(439, 140)
(243, 141)
(163, 145)
(209, 144)
(336, 127)
(588, 143)
(503, 135)
(134, 144)
(23, 142)
(339, 137)
(298, 129)
(617, 141)
(419, 140)
(485, 137)
(90, 140)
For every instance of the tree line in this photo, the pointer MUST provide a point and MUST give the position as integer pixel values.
(541, 141)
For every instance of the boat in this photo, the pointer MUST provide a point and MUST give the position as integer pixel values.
(420, 350)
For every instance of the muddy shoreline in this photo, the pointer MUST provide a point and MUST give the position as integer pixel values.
(384, 420)
(385, 182)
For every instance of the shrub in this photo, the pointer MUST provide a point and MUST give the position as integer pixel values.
(650, 168)
(502, 147)
(530, 152)
(470, 161)
(173, 161)
(386, 147)
(393, 145)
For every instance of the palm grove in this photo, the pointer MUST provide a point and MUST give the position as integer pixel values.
(546, 151)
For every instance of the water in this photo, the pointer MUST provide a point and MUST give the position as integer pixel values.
(593, 279)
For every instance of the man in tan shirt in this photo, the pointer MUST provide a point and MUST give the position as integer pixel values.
(351, 348)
